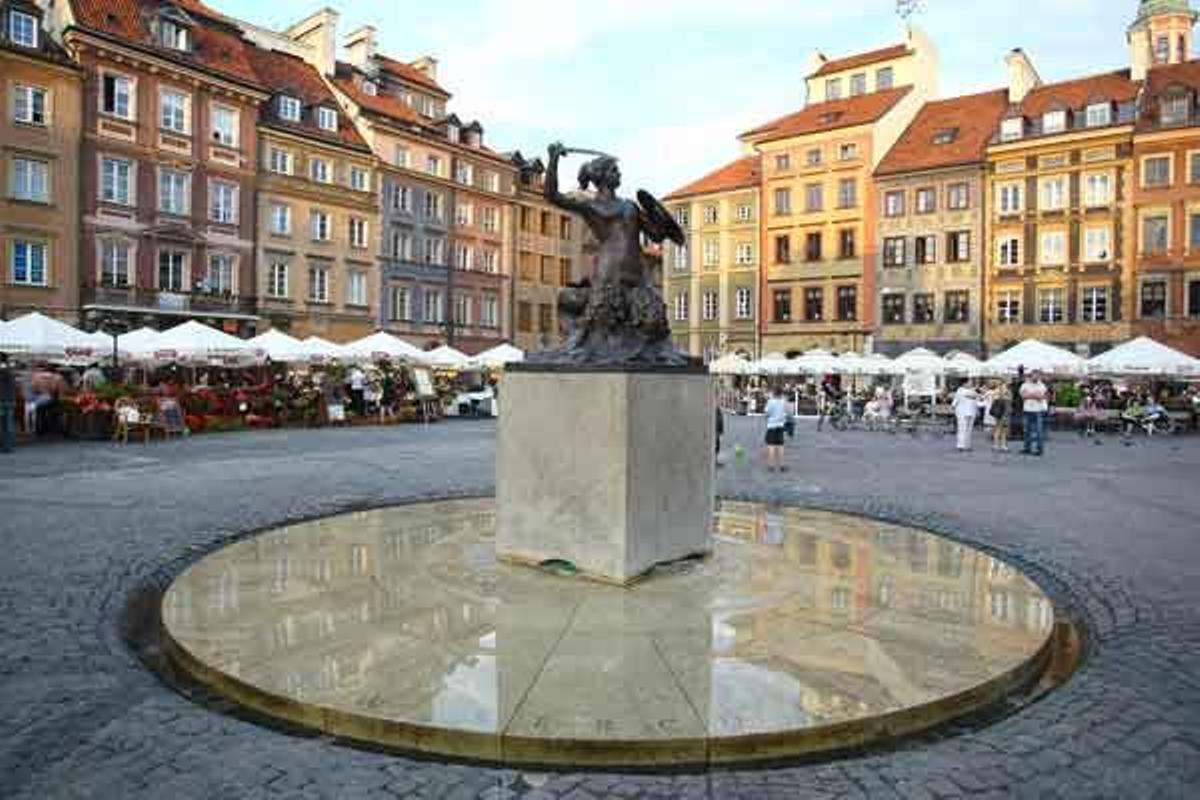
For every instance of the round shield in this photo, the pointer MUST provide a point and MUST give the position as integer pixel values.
(660, 224)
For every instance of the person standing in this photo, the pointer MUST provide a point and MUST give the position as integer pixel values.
(720, 431)
(8, 404)
(358, 385)
(777, 417)
(966, 409)
(998, 411)
(827, 400)
(1035, 399)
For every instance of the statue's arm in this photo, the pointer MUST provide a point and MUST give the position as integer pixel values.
(553, 195)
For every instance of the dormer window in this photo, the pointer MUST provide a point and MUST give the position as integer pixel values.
(289, 108)
(452, 133)
(1012, 129)
(369, 88)
(1174, 109)
(22, 28)
(327, 119)
(1099, 115)
(173, 35)
(1054, 122)
(945, 136)
(830, 117)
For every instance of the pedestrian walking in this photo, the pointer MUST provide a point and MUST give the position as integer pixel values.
(1035, 398)
(358, 385)
(998, 413)
(966, 409)
(720, 431)
(777, 419)
(8, 404)
(828, 397)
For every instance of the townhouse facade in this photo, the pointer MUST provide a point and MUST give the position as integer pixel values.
(711, 284)
(41, 96)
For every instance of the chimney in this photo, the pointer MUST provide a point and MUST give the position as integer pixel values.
(361, 47)
(318, 33)
(1022, 77)
(427, 65)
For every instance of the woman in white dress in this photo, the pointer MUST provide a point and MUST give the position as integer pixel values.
(966, 409)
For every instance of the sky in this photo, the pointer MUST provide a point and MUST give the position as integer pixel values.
(667, 85)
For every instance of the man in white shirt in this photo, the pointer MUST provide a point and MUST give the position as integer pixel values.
(358, 383)
(1035, 398)
(966, 409)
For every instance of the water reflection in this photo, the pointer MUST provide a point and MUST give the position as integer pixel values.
(799, 618)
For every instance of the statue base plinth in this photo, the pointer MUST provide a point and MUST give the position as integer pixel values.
(611, 470)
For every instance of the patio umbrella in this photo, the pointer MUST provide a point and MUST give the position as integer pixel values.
(1145, 356)
(731, 364)
(920, 360)
(194, 342)
(40, 337)
(1035, 356)
(776, 364)
(282, 348)
(499, 356)
(964, 364)
(140, 344)
(321, 349)
(446, 357)
(818, 362)
(382, 346)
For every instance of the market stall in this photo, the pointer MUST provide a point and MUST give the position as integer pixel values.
(1145, 357)
(1033, 355)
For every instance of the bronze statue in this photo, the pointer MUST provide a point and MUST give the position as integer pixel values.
(619, 317)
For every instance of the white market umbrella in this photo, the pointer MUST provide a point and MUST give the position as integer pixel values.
(1035, 356)
(139, 344)
(321, 349)
(194, 342)
(446, 357)
(920, 360)
(818, 362)
(382, 346)
(964, 364)
(41, 337)
(499, 356)
(776, 364)
(731, 364)
(282, 348)
(1145, 356)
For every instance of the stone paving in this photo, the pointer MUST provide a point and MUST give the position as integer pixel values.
(1112, 532)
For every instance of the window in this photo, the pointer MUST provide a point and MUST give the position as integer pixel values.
(490, 224)
(1054, 248)
(114, 263)
(1008, 307)
(174, 192)
(1097, 189)
(681, 259)
(319, 226)
(925, 250)
(173, 35)
(356, 288)
(400, 309)
(1051, 304)
(359, 179)
(277, 279)
(545, 317)
(281, 219)
(1194, 232)
(491, 181)
(711, 215)
(400, 156)
(1156, 171)
(893, 309)
(1193, 299)
(524, 317)
(318, 285)
(744, 301)
(884, 78)
(1154, 299)
(848, 151)
(712, 252)
(318, 170)
(922, 309)
(1054, 193)
(564, 271)
(711, 305)
(29, 105)
(894, 251)
(958, 196)
(893, 204)
(280, 161)
(1155, 234)
(289, 108)
(30, 180)
(223, 202)
(1097, 245)
(219, 278)
(22, 28)
(1094, 303)
(1054, 122)
(1010, 251)
(433, 206)
(489, 312)
(435, 250)
(958, 307)
(744, 253)
(1012, 128)
(462, 311)
(172, 266)
(116, 97)
(433, 165)
(847, 193)
(401, 245)
(1099, 115)
(683, 217)
(814, 305)
(846, 248)
(926, 200)
(1008, 198)
(847, 299)
(463, 257)
(225, 126)
(28, 262)
(681, 307)
(958, 247)
(783, 162)
(813, 157)
(782, 305)
(1173, 110)
(358, 233)
(464, 173)
(812, 246)
(945, 136)
(783, 201)
(783, 250)
(814, 197)
(401, 199)
(1162, 49)
(858, 84)
(833, 89)
(327, 119)
(463, 214)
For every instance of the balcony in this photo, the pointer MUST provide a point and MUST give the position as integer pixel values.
(172, 304)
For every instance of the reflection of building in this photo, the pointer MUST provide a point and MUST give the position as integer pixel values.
(39, 207)
(711, 283)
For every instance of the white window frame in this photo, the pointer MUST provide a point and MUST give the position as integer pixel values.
(183, 111)
(169, 181)
(359, 233)
(464, 173)
(29, 24)
(1052, 256)
(320, 170)
(400, 309)
(464, 214)
(489, 312)
(280, 219)
(320, 225)
(712, 252)
(327, 119)
(223, 201)
(129, 96)
(1099, 115)
(1010, 198)
(1008, 306)
(488, 219)
(290, 108)
(745, 212)
(464, 257)
(360, 179)
(116, 252)
(122, 193)
(278, 280)
(435, 250)
(491, 180)
(434, 206)
(682, 301)
(281, 161)
(401, 198)
(744, 254)
(25, 109)
(183, 264)
(356, 288)
(1012, 129)
(1087, 310)
(433, 164)
(1006, 254)
(710, 305)
(225, 267)
(318, 284)
(433, 308)
(226, 136)
(30, 183)
(1146, 160)
(1093, 253)
(1092, 183)
(712, 215)
(31, 246)
(400, 245)
(490, 260)
(1053, 193)
(1057, 307)
(744, 302)
(462, 309)
(1054, 121)
(400, 155)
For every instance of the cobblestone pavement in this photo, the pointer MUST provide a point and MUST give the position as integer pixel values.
(1114, 531)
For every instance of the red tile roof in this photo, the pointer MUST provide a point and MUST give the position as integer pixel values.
(386, 105)
(1159, 81)
(407, 72)
(740, 174)
(970, 121)
(863, 59)
(1079, 92)
(287, 74)
(217, 44)
(831, 115)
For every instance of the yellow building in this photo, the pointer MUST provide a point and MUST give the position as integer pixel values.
(818, 196)
(711, 284)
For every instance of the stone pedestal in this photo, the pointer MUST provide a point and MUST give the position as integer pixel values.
(612, 471)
